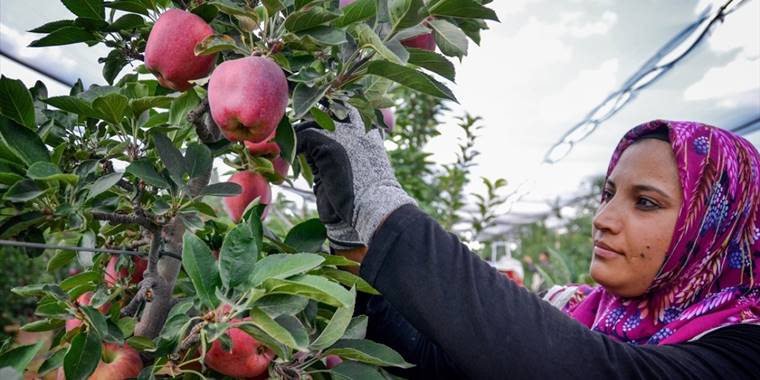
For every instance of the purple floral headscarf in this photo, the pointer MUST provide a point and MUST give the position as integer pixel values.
(711, 274)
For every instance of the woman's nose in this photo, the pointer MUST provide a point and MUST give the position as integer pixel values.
(608, 218)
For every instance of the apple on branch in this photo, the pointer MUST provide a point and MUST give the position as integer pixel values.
(254, 186)
(116, 363)
(247, 98)
(170, 49)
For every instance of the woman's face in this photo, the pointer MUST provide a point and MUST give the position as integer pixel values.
(634, 224)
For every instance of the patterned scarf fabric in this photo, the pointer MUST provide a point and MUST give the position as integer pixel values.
(711, 274)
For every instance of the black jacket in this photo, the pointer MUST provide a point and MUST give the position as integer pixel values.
(447, 311)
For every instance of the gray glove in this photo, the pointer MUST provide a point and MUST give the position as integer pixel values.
(353, 179)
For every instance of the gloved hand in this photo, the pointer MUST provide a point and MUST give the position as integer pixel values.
(353, 179)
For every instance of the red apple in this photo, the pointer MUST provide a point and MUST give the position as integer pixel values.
(254, 186)
(423, 41)
(281, 166)
(246, 358)
(247, 97)
(388, 118)
(116, 363)
(111, 277)
(332, 360)
(169, 52)
(267, 148)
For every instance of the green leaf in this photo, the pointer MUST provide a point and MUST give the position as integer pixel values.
(16, 102)
(98, 324)
(347, 279)
(314, 287)
(29, 291)
(359, 10)
(64, 36)
(216, 43)
(304, 97)
(141, 343)
(281, 266)
(324, 35)
(72, 104)
(23, 191)
(369, 352)
(222, 189)
(111, 107)
(53, 362)
(357, 328)
(296, 330)
(367, 38)
(433, 62)
(336, 327)
(86, 8)
(198, 160)
(411, 78)
(231, 8)
(201, 268)
(23, 142)
(450, 39)
(349, 370)
(337, 260)
(263, 321)
(20, 357)
(52, 26)
(140, 105)
(322, 118)
(134, 6)
(286, 139)
(72, 282)
(82, 356)
(181, 106)
(405, 13)
(126, 22)
(463, 9)
(279, 304)
(307, 236)
(103, 183)
(145, 171)
(114, 62)
(238, 255)
(171, 157)
(45, 171)
(308, 18)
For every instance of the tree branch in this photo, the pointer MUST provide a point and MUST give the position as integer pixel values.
(114, 218)
(200, 117)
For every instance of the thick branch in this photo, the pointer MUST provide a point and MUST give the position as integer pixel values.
(162, 282)
(126, 219)
(200, 117)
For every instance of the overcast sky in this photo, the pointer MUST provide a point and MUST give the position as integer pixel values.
(535, 75)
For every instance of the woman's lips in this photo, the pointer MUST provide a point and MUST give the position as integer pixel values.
(603, 252)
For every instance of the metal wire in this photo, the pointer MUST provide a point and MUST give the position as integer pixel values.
(652, 70)
(26, 244)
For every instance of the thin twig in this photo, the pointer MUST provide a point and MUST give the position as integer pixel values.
(126, 219)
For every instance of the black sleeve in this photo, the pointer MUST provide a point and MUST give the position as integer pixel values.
(387, 326)
(492, 328)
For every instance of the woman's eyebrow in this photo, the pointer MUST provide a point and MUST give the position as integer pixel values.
(641, 188)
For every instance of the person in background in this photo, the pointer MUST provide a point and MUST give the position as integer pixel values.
(676, 258)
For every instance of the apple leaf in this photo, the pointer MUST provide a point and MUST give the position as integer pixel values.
(22, 142)
(286, 138)
(322, 118)
(141, 343)
(52, 26)
(23, 191)
(307, 236)
(296, 330)
(359, 10)
(314, 287)
(336, 327)
(405, 14)
(218, 42)
(46, 171)
(432, 61)
(104, 183)
(111, 107)
(263, 321)
(20, 357)
(93, 9)
(450, 39)
(126, 22)
(16, 102)
(411, 78)
(64, 36)
(463, 9)
(72, 104)
(367, 38)
(145, 171)
(201, 268)
(171, 157)
(281, 266)
(278, 304)
(347, 279)
(353, 370)
(82, 356)
(304, 19)
(369, 352)
(238, 255)
(198, 160)
(304, 98)
(53, 362)
(357, 328)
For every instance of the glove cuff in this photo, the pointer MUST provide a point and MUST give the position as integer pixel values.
(342, 236)
(375, 204)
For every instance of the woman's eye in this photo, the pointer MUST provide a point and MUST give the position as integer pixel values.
(647, 203)
(606, 195)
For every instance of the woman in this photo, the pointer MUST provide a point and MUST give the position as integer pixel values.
(676, 258)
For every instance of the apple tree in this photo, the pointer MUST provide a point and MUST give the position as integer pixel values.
(117, 179)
